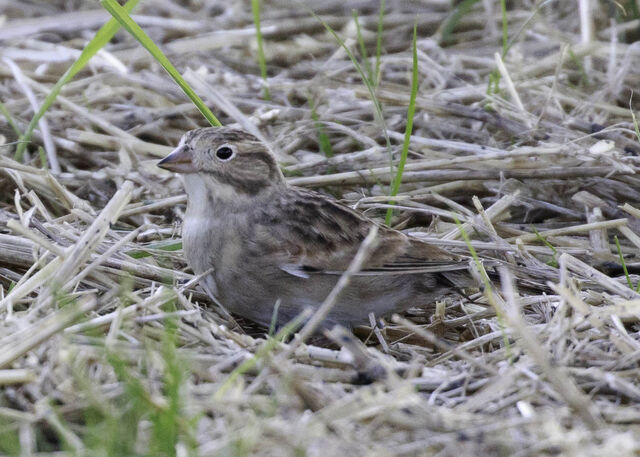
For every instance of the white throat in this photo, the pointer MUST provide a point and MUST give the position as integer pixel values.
(206, 196)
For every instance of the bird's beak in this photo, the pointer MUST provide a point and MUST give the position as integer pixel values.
(180, 160)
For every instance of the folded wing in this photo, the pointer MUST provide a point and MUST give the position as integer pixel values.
(321, 236)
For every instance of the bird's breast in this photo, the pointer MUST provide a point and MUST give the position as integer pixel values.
(213, 242)
(199, 241)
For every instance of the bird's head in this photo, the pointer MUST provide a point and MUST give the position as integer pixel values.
(224, 156)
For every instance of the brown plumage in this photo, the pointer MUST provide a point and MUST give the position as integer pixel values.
(268, 241)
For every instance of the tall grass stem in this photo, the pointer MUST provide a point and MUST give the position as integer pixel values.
(409, 128)
(122, 16)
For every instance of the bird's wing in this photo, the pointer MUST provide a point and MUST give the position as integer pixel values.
(317, 235)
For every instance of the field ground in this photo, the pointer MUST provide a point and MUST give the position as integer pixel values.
(107, 345)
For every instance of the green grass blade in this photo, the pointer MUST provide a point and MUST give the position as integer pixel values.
(121, 15)
(379, 41)
(584, 77)
(624, 264)
(101, 38)
(44, 163)
(365, 80)
(274, 319)
(505, 28)
(494, 77)
(363, 49)
(461, 10)
(166, 422)
(633, 117)
(553, 262)
(255, 6)
(5, 112)
(168, 246)
(323, 138)
(635, 125)
(409, 128)
(488, 290)
(635, 10)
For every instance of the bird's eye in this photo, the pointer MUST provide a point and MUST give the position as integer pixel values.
(225, 152)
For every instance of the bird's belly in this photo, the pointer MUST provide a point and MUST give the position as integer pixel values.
(253, 291)
(253, 294)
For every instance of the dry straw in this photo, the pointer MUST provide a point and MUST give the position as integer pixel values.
(107, 340)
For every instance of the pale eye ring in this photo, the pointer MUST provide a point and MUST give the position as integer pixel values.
(225, 152)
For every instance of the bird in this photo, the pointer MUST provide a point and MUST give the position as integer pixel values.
(263, 241)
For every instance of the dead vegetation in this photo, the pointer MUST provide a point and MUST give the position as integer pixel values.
(107, 345)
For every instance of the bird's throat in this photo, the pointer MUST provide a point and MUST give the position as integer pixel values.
(208, 197)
